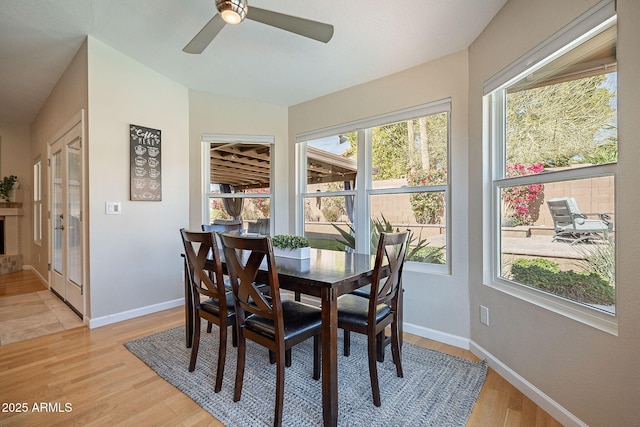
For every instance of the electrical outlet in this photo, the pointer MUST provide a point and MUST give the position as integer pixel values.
(484, 315)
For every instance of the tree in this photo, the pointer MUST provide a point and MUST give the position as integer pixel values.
(558, 124)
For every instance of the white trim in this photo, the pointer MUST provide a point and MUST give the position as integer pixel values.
(432, 334)
(604, 321)
(595, 20)
(253, 139)
(131, 314)
(440, 106)
(546, 51)
(545, 402)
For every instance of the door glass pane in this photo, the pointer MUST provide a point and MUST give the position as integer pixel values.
(74, 197)
(238, 169)
(56, 167)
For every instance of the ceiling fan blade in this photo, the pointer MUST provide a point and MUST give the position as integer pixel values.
(304, 27)
(200, 42)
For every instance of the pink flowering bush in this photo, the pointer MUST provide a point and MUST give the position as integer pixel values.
(520, 198)
(428, 208)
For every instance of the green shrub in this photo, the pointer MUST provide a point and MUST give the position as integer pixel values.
(590, 288)
(287, 241)
(428, 254)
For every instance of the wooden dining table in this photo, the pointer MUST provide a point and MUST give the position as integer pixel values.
(326, 274)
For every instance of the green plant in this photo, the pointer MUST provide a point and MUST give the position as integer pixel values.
(331, 213)
(428, 254)
(6, 185)
(590, 288)
(419, 252)
(286, 241)
(600, 259)
(428, 208)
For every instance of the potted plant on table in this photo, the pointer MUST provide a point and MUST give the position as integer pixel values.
(6, 186)
(289, 246)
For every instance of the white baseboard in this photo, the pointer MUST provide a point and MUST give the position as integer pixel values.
(130, 314)
(552, 407)
(432, 334)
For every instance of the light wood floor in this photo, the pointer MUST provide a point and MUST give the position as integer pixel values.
(88, 378)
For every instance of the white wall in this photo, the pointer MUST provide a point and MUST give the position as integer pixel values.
(134, 257)
(436, 306)
(224, 115)
(68, 97)
(15, 158)
(593, 375)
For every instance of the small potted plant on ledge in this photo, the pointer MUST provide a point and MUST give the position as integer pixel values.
(6, 186)
(288, 246)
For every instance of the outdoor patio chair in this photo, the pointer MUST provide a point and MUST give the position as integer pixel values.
(572, 226)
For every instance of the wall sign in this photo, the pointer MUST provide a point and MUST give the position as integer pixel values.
(146, 171)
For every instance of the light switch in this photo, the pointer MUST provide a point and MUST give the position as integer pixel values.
(113, 208)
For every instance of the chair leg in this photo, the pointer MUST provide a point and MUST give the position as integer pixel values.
(194, 346)
(208, 327)
(347, 342)
(234, 336)
(373, 369)
(280, 368)
(396, 349)
(222, 355)
(381, 339)
(316, 357)
(237, 392)
(287, 358)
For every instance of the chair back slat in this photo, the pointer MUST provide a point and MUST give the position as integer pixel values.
(200, 248)
(244, 256)
(390, 255)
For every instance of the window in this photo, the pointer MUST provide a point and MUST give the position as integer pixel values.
(553, 169)
(238, 181)
(37, 202)
(385, 174)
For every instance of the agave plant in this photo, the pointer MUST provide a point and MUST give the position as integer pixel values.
(415, 251)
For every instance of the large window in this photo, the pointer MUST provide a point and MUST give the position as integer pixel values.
(371, 178)
(239, 182)
(554, 144)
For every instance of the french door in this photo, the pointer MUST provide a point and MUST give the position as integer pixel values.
(66, 274)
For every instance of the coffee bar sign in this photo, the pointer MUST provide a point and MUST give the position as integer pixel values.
(146, 164)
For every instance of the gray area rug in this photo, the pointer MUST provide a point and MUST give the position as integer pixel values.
(437, 389)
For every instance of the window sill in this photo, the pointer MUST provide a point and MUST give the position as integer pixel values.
(593, 317)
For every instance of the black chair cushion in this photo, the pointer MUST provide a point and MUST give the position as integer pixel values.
(354, 310)
(212, 305)
(362, 292)
(299, 319)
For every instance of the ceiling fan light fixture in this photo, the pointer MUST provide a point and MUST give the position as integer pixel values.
(232, 11)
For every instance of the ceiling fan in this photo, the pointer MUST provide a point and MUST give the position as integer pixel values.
(235, 11)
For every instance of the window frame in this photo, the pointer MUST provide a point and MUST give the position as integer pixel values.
(364, 183)
(37, 201)
(594, 21)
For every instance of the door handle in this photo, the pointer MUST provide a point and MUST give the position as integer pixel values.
(60, 227)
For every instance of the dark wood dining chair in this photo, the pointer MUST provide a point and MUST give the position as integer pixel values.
(222, 227)
(370, 316)
(218, 308)
(266, 320)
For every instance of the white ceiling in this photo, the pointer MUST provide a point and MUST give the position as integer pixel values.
(372, 38)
